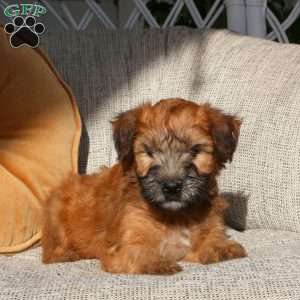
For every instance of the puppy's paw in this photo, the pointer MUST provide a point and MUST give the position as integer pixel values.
(222, 251)
(158, 268)
(163, 268)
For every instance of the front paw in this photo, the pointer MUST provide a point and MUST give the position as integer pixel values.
(163, 268)
(220, 251)
(154, 268)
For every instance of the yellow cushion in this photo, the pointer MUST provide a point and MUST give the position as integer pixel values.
(39, 137)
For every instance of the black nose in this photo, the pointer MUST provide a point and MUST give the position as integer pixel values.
(171, 187)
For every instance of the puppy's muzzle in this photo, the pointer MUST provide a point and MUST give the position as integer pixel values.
(171, 187)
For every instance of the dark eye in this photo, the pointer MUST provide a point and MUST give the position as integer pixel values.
(148, 151)
(196, 149)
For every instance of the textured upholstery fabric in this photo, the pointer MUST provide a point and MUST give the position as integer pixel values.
(271, 272)
(112, 71)
(39, 139)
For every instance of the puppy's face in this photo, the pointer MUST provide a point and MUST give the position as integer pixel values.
(175, 148)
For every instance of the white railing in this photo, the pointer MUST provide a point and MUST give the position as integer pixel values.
(250, 17)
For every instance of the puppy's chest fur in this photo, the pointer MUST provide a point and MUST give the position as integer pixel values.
(175, 243)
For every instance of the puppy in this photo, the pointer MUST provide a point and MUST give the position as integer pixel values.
(159, 204)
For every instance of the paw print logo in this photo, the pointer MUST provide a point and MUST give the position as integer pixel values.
(24, 31)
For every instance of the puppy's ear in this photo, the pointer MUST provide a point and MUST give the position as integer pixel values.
(124, 131)
(225, 131)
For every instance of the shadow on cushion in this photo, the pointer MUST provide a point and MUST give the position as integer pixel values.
(236, 214)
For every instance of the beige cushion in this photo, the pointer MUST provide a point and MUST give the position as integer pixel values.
(271, 272)
(257, 79)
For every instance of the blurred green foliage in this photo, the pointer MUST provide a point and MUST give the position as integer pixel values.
(281, 8)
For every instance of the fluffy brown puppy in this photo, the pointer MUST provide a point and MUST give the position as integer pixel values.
(159, 204)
